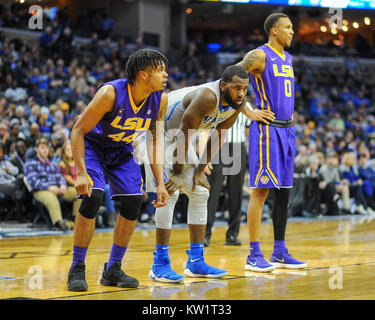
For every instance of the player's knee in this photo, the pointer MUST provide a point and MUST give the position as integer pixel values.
(90, 206)
(260, 194)
(130, 207)
(197, 212)
(282, 197)
(201, 194)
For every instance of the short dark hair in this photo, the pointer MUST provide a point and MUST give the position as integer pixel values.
(141, 60)
(272, 19)
(234, 70)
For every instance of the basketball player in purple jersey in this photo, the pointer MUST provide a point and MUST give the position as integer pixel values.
(271, 147)
(102, 147)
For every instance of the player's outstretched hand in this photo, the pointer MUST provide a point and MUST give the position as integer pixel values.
(83, 185)
(262, 116)
(162, 197)
(200, 179)
(173, 183)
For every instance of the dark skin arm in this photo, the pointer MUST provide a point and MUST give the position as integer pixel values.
(198, 105)
(214, 144)
(102, 103)
(155, 152)
(254, 62)
(259, 115)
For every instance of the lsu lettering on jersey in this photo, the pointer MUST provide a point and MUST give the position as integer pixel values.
(274, 90)
(126, 121)
(109, 147)
(272, 149)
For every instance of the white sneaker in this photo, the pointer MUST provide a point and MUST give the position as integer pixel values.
(361, 209)
(370, 211)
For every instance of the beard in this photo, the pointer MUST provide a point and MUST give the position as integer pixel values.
(230, 101)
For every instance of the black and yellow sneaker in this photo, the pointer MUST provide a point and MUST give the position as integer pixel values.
(115, 277)
(76, 278)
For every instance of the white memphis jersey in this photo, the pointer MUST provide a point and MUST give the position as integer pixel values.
(175, 109)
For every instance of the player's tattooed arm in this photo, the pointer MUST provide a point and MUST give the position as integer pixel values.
(254, 62)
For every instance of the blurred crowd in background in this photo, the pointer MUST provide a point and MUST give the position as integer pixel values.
(45, 85)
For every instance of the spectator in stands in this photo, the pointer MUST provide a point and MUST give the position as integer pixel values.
(8, 173)
(23, 122)
(15, 134)
(301, 159)
(122, 51)
(312, 193)
(78, 81)
(68, 170)
(35, 113)
(4, 133)
(336, 123)
(349, 172)
(44, 128)
(15, 93)
(46, 42)
(106, 49)
(332, 187)
(48, 184)
(93, 46)
(367, 175)
(19, 158)
(64, 45)
(35, 134)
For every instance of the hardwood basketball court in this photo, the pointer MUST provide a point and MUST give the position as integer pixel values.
(340, 254)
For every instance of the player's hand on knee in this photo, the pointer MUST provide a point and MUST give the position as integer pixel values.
(162, 197)
(208, 168)
(200, 179)
(83, 185)
(173, 183)
(263, 116)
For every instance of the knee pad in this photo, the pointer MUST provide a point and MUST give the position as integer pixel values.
(197, 209)
(90, 206)
(130, 207)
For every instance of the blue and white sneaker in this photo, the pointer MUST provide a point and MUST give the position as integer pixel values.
(197, 268)
(286, 261)
(257, 263)
(161, 271)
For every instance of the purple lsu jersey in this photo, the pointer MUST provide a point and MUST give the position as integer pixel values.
(109, 148)
(126, 121)
(274, 90)
(272, 149)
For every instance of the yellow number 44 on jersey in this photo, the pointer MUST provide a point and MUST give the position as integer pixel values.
(119, 137)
